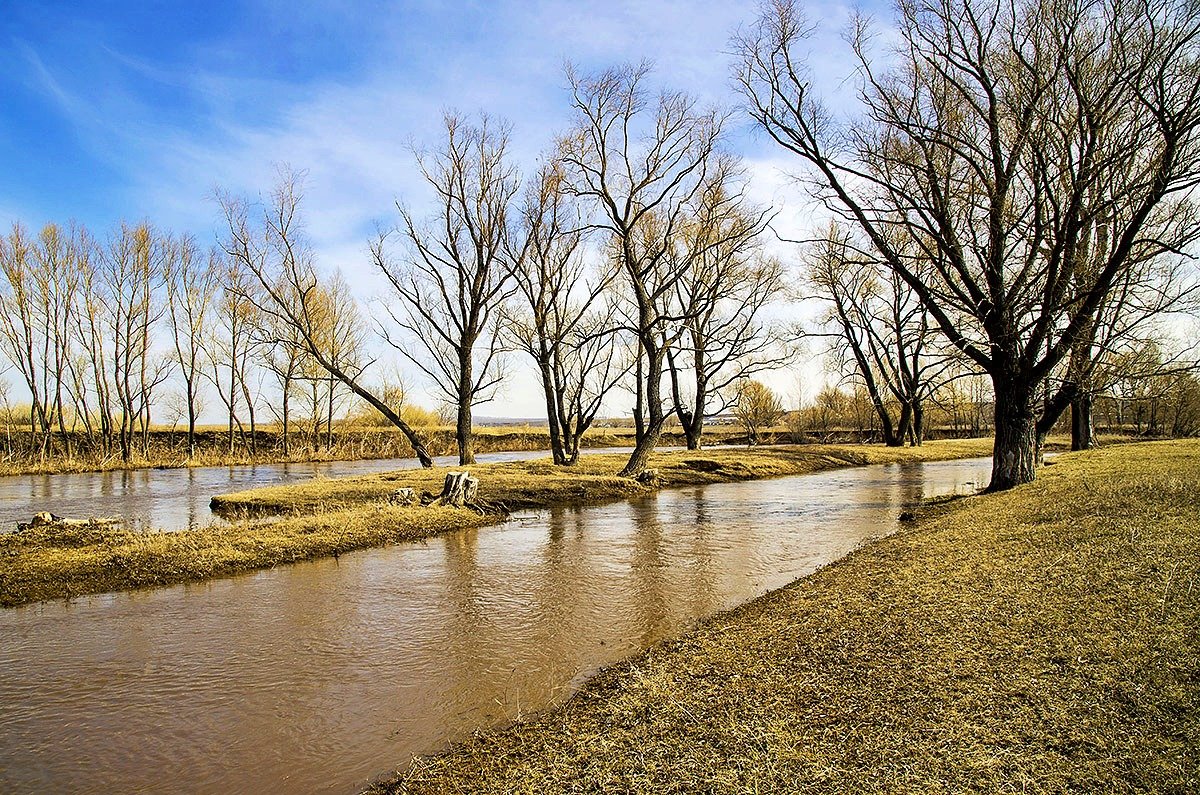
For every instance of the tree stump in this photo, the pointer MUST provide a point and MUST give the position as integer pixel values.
(648, 477)
(459, 490)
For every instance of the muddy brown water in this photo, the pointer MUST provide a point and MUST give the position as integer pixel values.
(321, 676)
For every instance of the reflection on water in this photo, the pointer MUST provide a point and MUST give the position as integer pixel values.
(320, 676)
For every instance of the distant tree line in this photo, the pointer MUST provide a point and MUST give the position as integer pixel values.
(110, 336)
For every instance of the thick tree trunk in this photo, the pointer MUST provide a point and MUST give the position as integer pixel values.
(1014, 453)
(1081, 422)
(552, 417)
(642, 450)
(903, 427)
(462, 433)
(649, 398)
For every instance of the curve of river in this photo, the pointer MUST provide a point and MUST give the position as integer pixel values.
(320, 676)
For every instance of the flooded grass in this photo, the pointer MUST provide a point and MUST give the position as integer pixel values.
(1045, 639)
(322, 518)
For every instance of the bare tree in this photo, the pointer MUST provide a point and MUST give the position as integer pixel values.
(90, 369)
(1148, 295)
(456, 270)
(274, 250)
(36, 308)
(132, 276)
(229, 345)
(884, 332)
(725, 286)
(568, 326)
(640, 161)
(191, 285)
(999, 144)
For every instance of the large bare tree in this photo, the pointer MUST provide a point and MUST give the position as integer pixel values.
(640, 160)
(456, 272)
(568, 323)
(998, 144)
(726, 284)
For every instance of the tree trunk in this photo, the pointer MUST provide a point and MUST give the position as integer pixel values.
(918, 424)
(552, 417)
(642, 450)
(462, 432)
(287, 443)
(191, 433)
(903, 427)
(1014, 453)
(693, 424)
(649, 397)
(1081, 421)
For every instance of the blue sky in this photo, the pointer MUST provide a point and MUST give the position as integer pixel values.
(130, 110)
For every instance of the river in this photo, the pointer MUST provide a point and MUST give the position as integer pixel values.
(177, 499)
(320, 676)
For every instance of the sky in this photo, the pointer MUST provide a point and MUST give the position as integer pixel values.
(142, 109)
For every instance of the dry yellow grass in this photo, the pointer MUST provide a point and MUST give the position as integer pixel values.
(1041, 640)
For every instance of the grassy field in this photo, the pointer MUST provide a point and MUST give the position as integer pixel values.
(1041, 640)
(327, 517)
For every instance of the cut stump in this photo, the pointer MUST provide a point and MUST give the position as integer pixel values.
(459, 490)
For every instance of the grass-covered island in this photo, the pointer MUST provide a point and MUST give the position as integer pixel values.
(325, 517)
(1045, 639)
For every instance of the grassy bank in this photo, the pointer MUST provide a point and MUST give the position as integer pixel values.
(1045, 639)
(54, 563)
(328, 517)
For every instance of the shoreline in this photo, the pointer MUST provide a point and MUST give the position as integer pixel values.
(1041, 639)
(374, 445)
(324, 518)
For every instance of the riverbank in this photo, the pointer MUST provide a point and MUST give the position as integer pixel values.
(1044, 639)
(522, 485)
(322, 518)
(167, 448)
